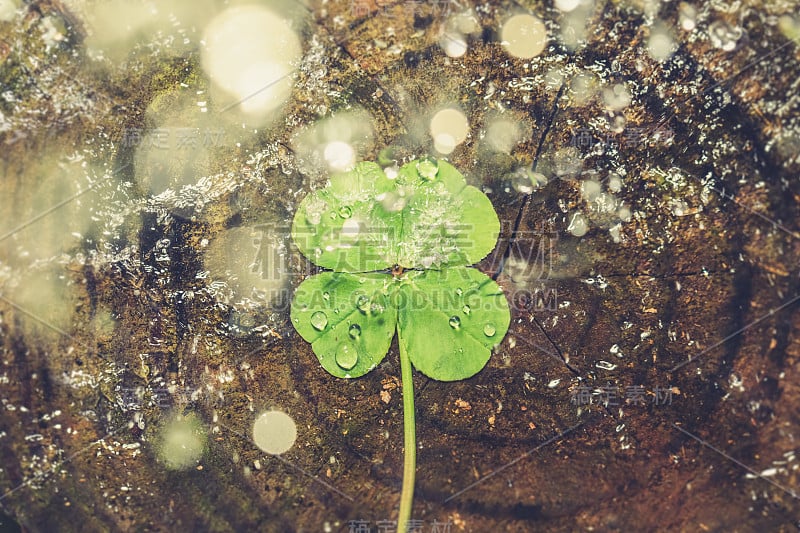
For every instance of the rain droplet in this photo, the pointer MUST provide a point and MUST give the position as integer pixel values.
(326, 296)
(489, 330)
(459, 291)
(355, 331)
(455, 322)
(346, 356)
(466, 309)
(336, 310)
(428, 168)
(319, 320)
(578, 226)
(363, 303)
(345, 211)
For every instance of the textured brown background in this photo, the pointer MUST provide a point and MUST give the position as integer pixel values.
(734, 120)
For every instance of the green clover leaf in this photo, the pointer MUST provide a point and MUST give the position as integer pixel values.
(398, 245)
(424, 217)
(426, 220)
(347, 319)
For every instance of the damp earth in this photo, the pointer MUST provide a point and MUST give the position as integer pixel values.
(642, 156)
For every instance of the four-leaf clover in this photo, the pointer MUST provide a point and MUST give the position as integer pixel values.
(399, 243)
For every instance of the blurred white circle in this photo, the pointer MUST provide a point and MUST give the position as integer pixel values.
(523, 36)
(248, 53)
(274, 432)
(339, 155)
(449, 128)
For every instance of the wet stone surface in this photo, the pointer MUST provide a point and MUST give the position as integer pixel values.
(648, 201)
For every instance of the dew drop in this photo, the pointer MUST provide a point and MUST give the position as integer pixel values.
(363, 303)
(345, 211)
(346, 356)
(455, 322)
(319, 320)
(459, 291)
(578, 225)
(466, 309)
(326, 296)
(355, 331)
(428, 168)
(489, 330)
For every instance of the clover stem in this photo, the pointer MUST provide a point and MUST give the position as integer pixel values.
(410, 442)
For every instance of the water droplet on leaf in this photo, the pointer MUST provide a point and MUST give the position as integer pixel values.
(326, 296)
(363, 303)
(355, 331)
(467, 309)
(345, 211)
(319, 320)
(489, 330)
(428, 168)
(346, 356)
(455, 322)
